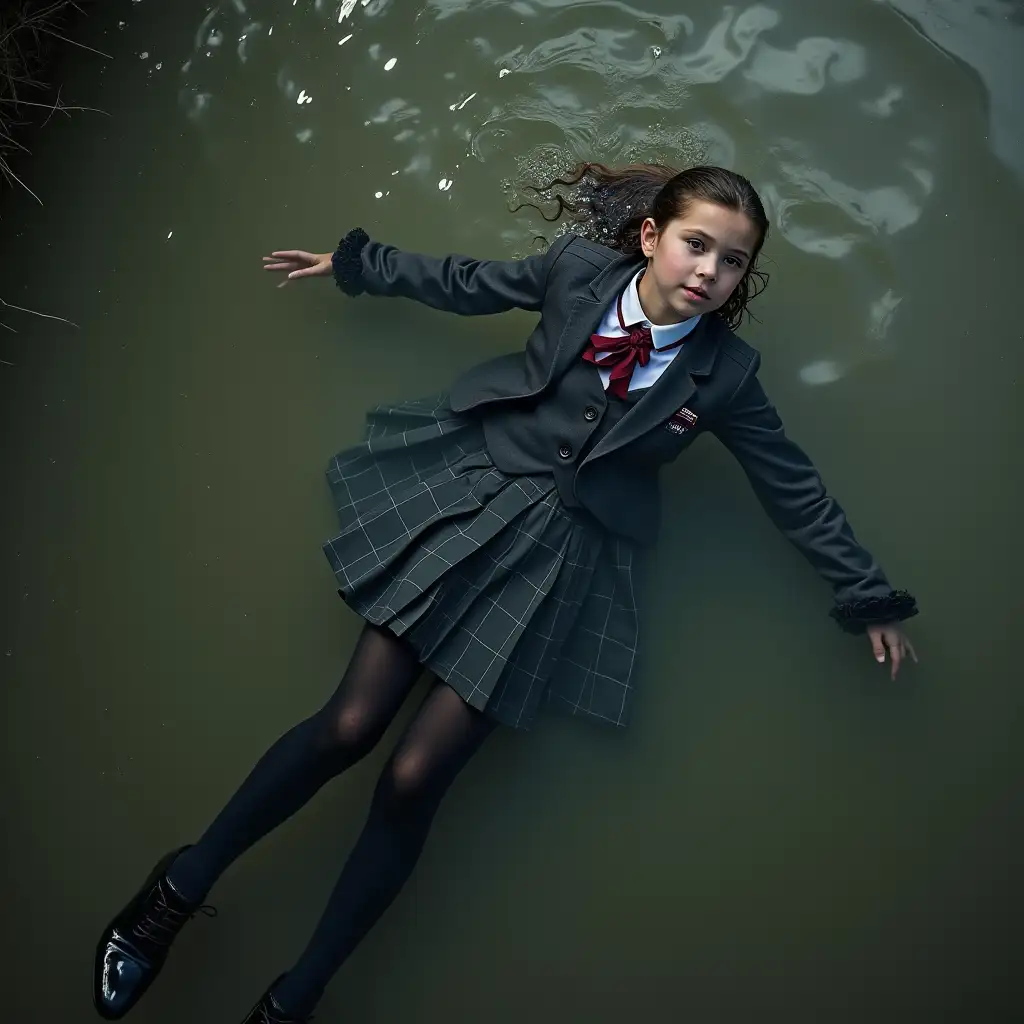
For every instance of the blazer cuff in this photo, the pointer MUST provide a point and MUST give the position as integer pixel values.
(856, 616)
(347, 262)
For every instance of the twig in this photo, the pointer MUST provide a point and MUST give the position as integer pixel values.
(13, 143)
(56, 104)
(13, 79)
(47, 316)
(30, 21)
(5, 169)
(48, 106)
(24, 35)
(57, 35)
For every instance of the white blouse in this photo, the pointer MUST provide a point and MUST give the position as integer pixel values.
(632, 313)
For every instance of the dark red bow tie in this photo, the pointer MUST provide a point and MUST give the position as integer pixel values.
(622, 355)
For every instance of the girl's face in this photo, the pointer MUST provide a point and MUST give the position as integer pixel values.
(695, 262)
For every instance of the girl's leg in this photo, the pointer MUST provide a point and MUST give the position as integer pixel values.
(382, 671)
(133, 947)
(441, 739)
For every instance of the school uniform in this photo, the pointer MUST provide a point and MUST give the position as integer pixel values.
(500, 528)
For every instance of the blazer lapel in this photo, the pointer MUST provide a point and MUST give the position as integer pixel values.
(671, 391)
(587, 311)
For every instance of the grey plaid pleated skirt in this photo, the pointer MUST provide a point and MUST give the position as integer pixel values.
(511, 597)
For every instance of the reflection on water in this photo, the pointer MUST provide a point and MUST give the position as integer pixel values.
(987, 36)
(602, 83)
(781, 836)
(810, 200)
(613, 86)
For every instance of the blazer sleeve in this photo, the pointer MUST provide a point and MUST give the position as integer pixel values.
(455, 284)
(792, 493)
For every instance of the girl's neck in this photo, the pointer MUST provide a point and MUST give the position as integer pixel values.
(657, 311)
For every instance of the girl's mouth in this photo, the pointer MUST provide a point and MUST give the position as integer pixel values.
(695, 294)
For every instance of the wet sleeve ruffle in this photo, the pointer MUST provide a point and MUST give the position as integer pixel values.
(347, 262)
(856, 616)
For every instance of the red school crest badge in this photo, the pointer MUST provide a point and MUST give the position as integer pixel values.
(681, 421)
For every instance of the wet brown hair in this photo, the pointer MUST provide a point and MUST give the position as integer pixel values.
(609, 206)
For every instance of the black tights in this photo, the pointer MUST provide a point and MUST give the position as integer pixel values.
(443, 736)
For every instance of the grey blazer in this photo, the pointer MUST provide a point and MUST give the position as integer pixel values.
(714, 377)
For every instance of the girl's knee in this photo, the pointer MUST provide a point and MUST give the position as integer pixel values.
(406, 781)
(409, 772)
(350, 731)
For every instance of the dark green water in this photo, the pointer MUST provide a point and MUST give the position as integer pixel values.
(783, 835)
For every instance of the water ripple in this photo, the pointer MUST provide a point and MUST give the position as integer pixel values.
(846, 144)
(808, 67)
(823, 215)
(988, 36)
(728, 45)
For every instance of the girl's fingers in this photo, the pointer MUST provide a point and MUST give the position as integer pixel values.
(898, 646)
(896, 658)
(298, 264)
(294, 254)
(878, 646)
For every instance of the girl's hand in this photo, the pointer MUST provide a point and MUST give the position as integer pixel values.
(895, 639)
(297, 263)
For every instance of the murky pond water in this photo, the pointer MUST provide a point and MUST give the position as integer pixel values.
(783, 834)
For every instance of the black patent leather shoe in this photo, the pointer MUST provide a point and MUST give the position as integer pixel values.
(133, 947)
(269, 1011)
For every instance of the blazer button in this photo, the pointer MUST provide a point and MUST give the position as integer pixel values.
(565, 451)
(590, 413)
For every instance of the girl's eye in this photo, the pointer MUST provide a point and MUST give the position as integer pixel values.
(695, 243)
(735, 262)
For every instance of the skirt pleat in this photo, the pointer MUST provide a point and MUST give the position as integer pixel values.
(505, 593)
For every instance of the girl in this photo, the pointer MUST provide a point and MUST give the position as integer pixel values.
(492, 535)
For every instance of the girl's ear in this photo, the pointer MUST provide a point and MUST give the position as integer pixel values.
(648, 237)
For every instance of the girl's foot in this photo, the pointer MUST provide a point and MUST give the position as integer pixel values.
(133, 947)
(269, 1011)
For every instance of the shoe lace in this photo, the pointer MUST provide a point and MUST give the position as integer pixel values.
(269, 1015)
(166, 915)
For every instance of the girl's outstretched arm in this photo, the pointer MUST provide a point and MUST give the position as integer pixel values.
(456, 284)
(792, 493)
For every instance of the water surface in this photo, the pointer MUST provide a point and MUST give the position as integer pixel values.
(783, 834)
